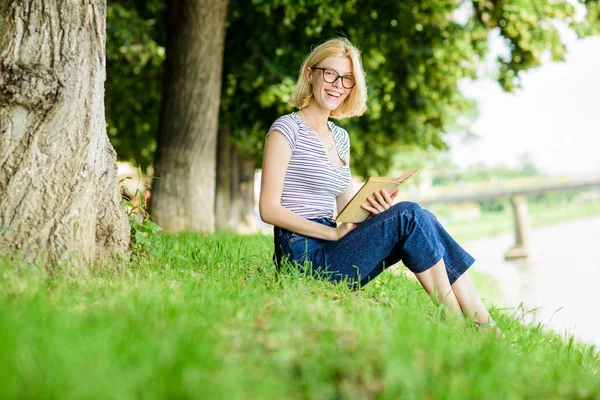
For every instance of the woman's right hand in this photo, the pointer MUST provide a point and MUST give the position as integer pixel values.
(343, 229)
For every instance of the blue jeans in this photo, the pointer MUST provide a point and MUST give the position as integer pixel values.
(405, 232)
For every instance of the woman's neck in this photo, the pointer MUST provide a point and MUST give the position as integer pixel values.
(317, 116)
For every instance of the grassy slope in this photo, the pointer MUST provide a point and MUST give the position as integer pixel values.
(207, 317)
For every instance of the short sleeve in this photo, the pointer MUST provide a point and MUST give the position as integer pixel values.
(288, 128)
(343, 143)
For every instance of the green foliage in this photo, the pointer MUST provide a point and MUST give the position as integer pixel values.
(263, 51)
(414, 56)
(143, 232)
(415, 52)
(412, 95)
(207, 317)
(590, 25)
(529, 30)
(134, 62)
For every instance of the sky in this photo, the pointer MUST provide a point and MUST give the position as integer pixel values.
(554, 117)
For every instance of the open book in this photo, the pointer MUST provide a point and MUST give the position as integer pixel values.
(353, 212)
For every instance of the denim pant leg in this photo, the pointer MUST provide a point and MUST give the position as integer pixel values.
(405, 231)
(390, 260)
(298, 250)
(457, 260)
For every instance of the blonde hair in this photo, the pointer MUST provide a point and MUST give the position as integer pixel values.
(356, 103)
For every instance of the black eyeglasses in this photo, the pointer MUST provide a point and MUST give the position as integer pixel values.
(331, 75)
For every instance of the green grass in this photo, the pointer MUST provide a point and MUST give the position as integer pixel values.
(208, 318)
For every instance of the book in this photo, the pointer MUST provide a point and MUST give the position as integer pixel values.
(353, 212)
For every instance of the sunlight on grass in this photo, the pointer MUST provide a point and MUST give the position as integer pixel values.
(208, 317)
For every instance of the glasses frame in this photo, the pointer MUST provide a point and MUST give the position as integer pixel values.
(337, 77)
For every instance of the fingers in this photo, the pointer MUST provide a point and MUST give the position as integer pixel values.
(380, 202)
(376, 203)
(344, 228)
(347, 226)
(369, 209)
(351, 226)
(386, 197)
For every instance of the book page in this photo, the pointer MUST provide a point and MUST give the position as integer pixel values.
(353, 212)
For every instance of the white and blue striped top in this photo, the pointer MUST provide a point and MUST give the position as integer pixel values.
(311, 183)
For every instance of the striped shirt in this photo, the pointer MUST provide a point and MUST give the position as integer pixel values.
(311, 182)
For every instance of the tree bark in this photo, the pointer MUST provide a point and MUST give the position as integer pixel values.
(235, 179)
(223, 182)
(245, 191)
(242, 217)
(59, 196)
(183, 196)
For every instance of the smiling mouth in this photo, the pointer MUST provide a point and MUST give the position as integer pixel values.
(333, 94)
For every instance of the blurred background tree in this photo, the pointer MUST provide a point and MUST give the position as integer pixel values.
(414, 53)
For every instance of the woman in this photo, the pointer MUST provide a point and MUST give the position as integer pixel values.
(306, 170)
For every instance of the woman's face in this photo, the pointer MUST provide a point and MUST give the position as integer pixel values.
(331, 95)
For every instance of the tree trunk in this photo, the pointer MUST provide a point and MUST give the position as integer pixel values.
(59, 196)
(223, 183)
(247, 216)
(242, 218)
(235, 202)
(183, 196)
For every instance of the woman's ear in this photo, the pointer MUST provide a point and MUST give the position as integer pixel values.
(309, 75)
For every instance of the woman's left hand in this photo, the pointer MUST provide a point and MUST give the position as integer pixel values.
(380, 201)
